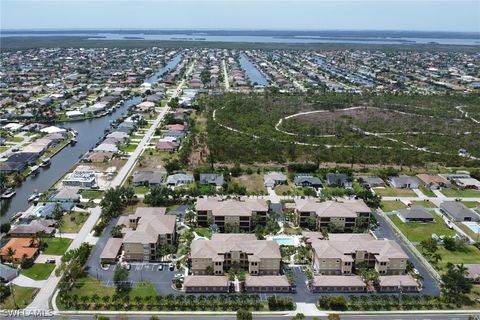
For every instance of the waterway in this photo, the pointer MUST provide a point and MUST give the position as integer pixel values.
(89, 133)
(157, 76)
(253, 74)
(252, 37)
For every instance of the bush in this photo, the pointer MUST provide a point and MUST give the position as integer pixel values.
(333, 303)
(280, 303)
(244, 315)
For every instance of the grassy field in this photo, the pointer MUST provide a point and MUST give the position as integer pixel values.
(92, 194)
(424, 203)
(253, 183)
(3, 149)
(470, 255)
(73, 221)
(38, 271)
(417, 232)
(394, 192)
(426, 191)
(56, 246)
(388, 206)
(457, 193)
(88, 285)
(471, 204)
(23, 297)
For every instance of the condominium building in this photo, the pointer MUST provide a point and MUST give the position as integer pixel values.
(341, 254)
(342, 214)
(145, 232)
(224, 251)
(246, 212)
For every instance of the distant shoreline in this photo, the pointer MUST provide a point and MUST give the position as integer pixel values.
(32, 42)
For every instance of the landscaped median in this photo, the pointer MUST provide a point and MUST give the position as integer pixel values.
(89, 294)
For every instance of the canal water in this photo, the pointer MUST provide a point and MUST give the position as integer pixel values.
(253, 74)
(89, 133)
(172, 64)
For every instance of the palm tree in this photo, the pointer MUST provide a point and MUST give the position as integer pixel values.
(212, 299)
(148, 301)
(84, 299)
(191, 301)
(138, 300)
(189, 216)
(106, 301)
(158, 300)
(95, 298)
(10, 253)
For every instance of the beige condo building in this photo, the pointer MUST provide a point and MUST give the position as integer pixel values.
(224, 251)
(246, 212)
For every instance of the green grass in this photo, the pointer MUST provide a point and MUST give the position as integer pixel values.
(15, 139)
(252, 182)
(469, 255)
(73, 221)
(38, 271)
(417, 232)
(426, 191)
(203, 232)
(394, 192)
(388, 206)
(23, 296)
(142, 190)
(128, 147)
(424, 203)
(3, 148)
(458, 193)
(87, 286)
(471, 204)
(56, 246)
(92, 194)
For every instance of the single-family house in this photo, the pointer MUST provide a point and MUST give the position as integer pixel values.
(338, 180)
(404, 182)
(415, 214)
(458, 211)
(179, 179)
(274, 178)
(211, 179)
(306, 180)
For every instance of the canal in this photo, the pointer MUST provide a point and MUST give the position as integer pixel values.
(172, 64)
(253, 74)
(89, 133)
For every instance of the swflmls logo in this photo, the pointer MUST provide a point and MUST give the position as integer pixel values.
(26, 313)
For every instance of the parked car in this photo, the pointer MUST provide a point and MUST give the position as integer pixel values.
(171, 267)
(178, 275)
(160, 267)
(50, 260)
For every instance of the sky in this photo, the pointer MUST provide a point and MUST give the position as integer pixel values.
(422, 15)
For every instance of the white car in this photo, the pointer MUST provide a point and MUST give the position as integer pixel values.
(160, 267)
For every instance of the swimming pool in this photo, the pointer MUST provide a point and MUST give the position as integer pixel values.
(474, 226)
(284, 241)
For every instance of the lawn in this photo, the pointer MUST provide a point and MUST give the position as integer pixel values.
(388, 206)
(283, 189)
(92, 194)
(458, 193)
(127, 148)
(88, 285)
(3, 149)
(424, 203)
(72, 222)
(203, 232)
(394, 192)
(471, 204)
(470, 255)
(56, 246)
(417, 232)
(142, 190)
(38, 271)
(23, 297)
(252, 182)
(426, 191)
